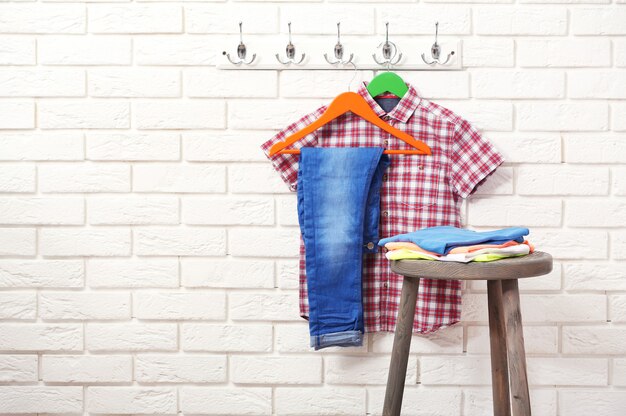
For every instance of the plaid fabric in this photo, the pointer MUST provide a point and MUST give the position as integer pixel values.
(418, 191)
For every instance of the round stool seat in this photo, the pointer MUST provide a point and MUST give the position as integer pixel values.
(535, 264)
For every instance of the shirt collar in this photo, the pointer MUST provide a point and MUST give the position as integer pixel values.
(402, 111)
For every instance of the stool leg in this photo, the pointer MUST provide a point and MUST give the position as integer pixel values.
(401, 345)
(515, 346)
(497, 338)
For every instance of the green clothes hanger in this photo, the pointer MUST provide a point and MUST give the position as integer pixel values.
(387, 81)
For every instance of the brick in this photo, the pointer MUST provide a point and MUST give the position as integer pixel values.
(41, 337)
(268, 114)
(18, 368)
(175, 50)
(529, 148)
(594, 213)
(413, 20)
(132, 83)
(17, 178)
(320, 401)
(179, 305)
(565, 1)
(224, 18)
(619, 50)
(276, 370)
(595, 149)
(228, 211)
(537, 339)
(155, 18)
(517, 20)
(176, 177)
(363, 370)
(214, 83)
(107, 114)
(171, 241)
(278, 306)
(518, 84)
(226, 400)
(567, 371)
(133, 146)
(41, 146)
(585, 402)
(562, 116)
(287, 210)
(618, 115)
(219, 273)
(84, 50)
(42, 18)
(562, 180)
(224, 146)
(255, 178)
(289, 339)
(596, 84)
(311, 19)
(17, 50)
(419, 400)
(463, 370)
(515, 211)
(78, 177)
(130, 337)
(572, 244)
(132, 273)
(435, 85)
(263, 242)
(87, 368)
(617, 308)
(18, 241)
(478, 402)
(443, 341)
(619, 372)
(488, 52)
(618, 245)
(180, 369)
(321, 84)
(226, 338)
(41, 273)
(500, 183)
(484, 115)
(563, 52)
(598, 21)
(17, 115)
(18, 305)
(44, 399)
(42, 83)
(132, 210)
(83, 306)
(131, 400)
(41, 210)
(196, 114)
(543, 308)
(594, 340)
(287, 274)
(101, 241)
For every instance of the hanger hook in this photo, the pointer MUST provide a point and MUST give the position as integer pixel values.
(290, 50)
(389, 51)
(435, 51)
(338, 50)
(353, 74)
(241, 51)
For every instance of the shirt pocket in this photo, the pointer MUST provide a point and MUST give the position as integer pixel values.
(424, 185)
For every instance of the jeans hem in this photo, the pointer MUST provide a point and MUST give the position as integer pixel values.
(337, 339)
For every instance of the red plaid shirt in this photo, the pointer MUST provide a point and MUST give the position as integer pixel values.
(418, 191)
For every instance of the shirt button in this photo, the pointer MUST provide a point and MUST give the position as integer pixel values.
(420, 167)
(385, 285)
(385, 249)
(385, 142)
(385, 213)
(370, 245)
(385, 177)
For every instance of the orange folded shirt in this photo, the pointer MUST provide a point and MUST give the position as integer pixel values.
(465, 249)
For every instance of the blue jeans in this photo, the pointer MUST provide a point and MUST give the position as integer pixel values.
(338, 212)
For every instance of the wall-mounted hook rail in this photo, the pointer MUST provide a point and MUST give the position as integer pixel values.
(290, 51)
(241, 51)
(389, 51)
(435, 51)
(338, 51)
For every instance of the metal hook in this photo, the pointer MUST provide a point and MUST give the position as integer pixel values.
(435, 51)
(241, 51)
(339, 51)
(290, 51)
(389, 50)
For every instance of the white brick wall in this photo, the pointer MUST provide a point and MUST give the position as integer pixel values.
(148, 251)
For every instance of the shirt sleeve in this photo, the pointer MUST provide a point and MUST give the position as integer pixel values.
(473, 159)
(287, 164)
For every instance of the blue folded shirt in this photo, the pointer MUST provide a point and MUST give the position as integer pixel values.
(442, 239)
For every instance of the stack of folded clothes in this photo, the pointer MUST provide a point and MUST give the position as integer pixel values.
(446, 243)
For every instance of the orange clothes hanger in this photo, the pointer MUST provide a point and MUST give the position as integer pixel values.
(351, 101)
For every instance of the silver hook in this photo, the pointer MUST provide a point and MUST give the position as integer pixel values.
(339, 51)
(435, 51)
(241, 51)
(290, 50)
(389, 50)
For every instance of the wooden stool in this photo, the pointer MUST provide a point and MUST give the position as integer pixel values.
(505, 324)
